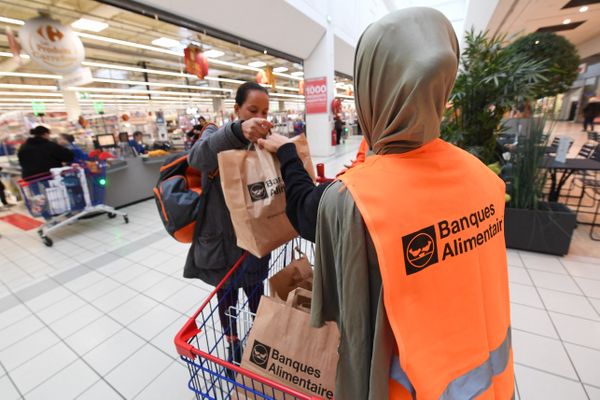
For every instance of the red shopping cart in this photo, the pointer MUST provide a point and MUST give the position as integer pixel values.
(203, 346)
(64, 195)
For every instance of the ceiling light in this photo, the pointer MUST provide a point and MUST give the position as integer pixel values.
(280, 69)
(166, 42)
(567, 21)
(12, 21)
(37, 94)
(257, 64)
(297, 73)
(89, 25)
(27, 75)
(583, 9)
(10, 55)
(214, 53)
(161, 84)
(128, 44)
(20, 86)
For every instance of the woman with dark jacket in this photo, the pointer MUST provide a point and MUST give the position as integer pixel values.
(214, 250)
(38, 154)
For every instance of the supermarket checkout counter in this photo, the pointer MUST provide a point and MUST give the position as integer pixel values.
(131, 180)
(128, 181)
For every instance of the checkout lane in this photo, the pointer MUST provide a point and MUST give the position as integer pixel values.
(130, 177)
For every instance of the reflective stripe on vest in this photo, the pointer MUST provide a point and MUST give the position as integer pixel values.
(436, 218)
(471, 384)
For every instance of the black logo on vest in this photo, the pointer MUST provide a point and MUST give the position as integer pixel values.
(258, 191)
(420, 250)
(260, 354)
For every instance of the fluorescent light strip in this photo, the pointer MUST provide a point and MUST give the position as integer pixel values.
(43, 94)
(22, 86)
(128, 44)
(137, 91)
(296, 78)
(21, 100)
(156, 72)
(28, 75)
(12, 21)
(171, 85)
(10, 55)
(293, 96)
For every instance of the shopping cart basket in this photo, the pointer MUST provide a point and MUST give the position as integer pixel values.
(203, 346)
(62, 196)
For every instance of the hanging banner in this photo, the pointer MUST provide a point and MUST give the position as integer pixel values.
(315, 92)
(79, 77)
(52, 45)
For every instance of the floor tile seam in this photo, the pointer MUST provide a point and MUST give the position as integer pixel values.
(556, 339)
(81, 356)
(580, 288)
(95, 383)
(12, 382)
(557, 333)
(123, 326)
(83, 263)
(555, 290)
(522, 364)
(61, 340)
(135, 396)
(555, 312)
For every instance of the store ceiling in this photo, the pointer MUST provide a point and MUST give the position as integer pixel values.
(525, 16)
(142, 30)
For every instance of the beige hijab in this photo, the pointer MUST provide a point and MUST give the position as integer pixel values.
(404, 69)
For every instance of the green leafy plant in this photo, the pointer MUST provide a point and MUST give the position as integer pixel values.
(491, 80)
(558, 54)
(528, 179)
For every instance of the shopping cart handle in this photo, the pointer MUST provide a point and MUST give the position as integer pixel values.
(189, 330)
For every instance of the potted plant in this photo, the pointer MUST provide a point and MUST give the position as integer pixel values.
(532, 224)
(491, 80)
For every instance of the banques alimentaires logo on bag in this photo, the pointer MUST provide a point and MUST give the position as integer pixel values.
(293, 371)
(263, 190)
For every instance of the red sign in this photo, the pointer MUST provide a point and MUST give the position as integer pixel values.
(315, 92)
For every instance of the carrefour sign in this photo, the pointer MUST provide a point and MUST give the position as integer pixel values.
(52, 45)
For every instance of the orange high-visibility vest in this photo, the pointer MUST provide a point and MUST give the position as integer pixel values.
(436, 217)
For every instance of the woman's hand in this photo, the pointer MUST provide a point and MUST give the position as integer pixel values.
(256, 128)
(273, 142)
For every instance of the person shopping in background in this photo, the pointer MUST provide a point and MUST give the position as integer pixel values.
(137, 143)
(410, 252)
(68, 141)
(339, 128)
(3, 200)
(39, 154)
(590, 112)
(214, 251)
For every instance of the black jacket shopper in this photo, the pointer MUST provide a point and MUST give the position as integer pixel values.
(38, 154)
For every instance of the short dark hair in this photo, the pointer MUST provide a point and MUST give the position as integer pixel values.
(39, 130)
(242, 93)
(137, 133)
(202, 119)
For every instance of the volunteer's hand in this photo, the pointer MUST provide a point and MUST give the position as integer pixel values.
(256, 128)
(273, 142)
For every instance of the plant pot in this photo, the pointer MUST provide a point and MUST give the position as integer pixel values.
(546, 230)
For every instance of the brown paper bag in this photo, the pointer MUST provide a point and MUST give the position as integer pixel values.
(298, 274)
(283, 347)
(304, 153)
(255, 196)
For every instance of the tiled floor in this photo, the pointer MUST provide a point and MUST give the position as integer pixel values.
(94, 317)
